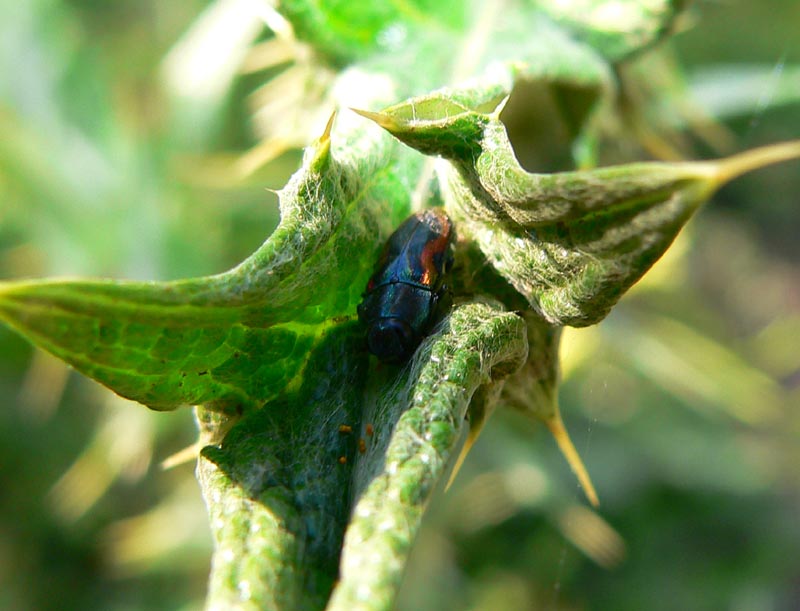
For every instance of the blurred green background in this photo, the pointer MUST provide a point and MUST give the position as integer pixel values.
(122, 127)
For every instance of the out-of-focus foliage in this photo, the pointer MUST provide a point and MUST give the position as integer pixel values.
(683, 403)
(102, 173)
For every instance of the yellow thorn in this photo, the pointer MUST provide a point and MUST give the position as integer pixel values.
(559, 432)
(383, 120)
(472, 436)
(736, 165)
(326, 135)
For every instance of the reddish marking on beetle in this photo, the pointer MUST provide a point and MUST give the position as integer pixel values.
(345, 428)
(362, 445)
(434, 247)
(343, 460)
(370, 430)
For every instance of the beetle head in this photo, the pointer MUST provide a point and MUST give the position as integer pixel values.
(391, 339)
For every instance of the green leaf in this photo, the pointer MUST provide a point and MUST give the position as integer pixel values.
(277, 495)
(571, 243)
(280, 497)
(238, 339)
(480, 345)
(235, 340)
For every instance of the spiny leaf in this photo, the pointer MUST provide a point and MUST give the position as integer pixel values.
(451, 121)
(571, 243)
(205, 340)
(238, 339)
(278, 489)
(479, 346)
(278, 496)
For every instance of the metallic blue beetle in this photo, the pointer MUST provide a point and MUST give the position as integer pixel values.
(402, 296)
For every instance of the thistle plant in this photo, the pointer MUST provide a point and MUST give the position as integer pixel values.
(317, 462)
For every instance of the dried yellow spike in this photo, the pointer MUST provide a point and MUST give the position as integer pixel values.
(559, 432)
(478, 415)
(471, 437)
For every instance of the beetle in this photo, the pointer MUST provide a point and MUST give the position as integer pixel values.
(404, 294)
